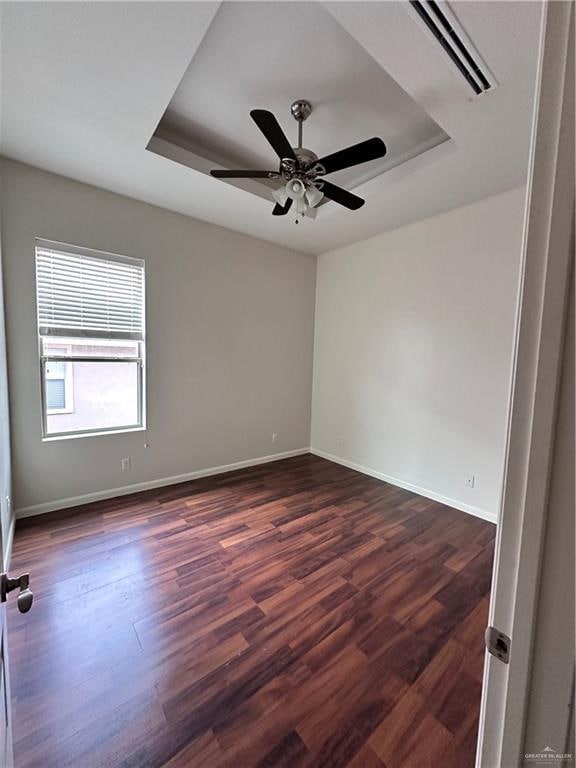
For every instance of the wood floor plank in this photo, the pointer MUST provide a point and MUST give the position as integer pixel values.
(293, 614)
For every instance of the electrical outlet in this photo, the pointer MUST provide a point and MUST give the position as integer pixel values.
(125, 464)
(470, 481)
(274, 436)
(339, 441)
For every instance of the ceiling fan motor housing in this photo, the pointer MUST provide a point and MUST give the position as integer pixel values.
(306, 166)
(305, 157)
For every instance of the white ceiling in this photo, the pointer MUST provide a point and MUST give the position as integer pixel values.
(85, 85)
(353, 98)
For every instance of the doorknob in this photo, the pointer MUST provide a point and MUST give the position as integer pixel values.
(25, 596)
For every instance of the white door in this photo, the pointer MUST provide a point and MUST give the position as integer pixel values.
(6, 532)
(18, 588)
(542, 312)
(6, 758)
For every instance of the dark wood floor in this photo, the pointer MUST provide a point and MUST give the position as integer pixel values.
(294, 614)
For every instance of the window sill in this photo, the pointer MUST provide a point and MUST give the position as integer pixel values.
(94, 433)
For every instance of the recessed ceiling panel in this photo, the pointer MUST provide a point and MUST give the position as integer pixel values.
(102, 75)
(268, 54)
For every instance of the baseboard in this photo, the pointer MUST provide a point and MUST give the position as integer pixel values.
(111, 493)
(76, 501)
(460, 505)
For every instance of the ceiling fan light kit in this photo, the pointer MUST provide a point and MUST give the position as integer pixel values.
(281, 196)
(295, 189)
(300, 168)
(314, 195)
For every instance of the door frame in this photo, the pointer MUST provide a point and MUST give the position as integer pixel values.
(540, 323)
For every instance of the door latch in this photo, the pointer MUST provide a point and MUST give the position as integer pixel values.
(498, 644)
(25, 596)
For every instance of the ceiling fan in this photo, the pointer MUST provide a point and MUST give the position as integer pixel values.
(301, 171)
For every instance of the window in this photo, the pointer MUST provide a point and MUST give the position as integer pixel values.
(59, 391)
(91, 340)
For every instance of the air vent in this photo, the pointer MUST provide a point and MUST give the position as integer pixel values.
(463, 56)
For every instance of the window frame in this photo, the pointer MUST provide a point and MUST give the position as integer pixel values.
(139, 360)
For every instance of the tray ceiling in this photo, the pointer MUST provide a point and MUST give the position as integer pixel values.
(85, 86)
(266, 55)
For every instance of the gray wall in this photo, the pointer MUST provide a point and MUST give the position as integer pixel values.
(229, 340)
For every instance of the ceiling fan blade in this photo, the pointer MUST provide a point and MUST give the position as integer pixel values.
(244, 174)
(273, 132)
(282, 210)
(342, 196)
(367, 150)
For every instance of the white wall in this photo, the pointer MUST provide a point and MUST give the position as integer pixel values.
(229, 340)
(413, 347)
(551, 693)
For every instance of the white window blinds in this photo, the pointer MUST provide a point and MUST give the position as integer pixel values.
(84, 295)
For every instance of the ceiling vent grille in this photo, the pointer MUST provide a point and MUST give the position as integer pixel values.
(463, 56)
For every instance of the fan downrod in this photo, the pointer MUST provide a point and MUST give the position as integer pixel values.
(301, 110)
